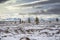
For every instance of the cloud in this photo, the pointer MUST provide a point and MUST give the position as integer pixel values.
(41, 2)
(29, 7)
(30, 3)
(2, 1)
(42, 7)
(55, 10)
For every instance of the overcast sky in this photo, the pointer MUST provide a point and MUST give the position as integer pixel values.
(14, 8)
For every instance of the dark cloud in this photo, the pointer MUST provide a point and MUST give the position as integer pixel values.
(24, 1)
(52, 7)
(44, 2)
(56, 5)
(55, 11)
(2, 1)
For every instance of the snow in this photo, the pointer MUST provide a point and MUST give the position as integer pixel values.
(36, 32)
(9, 38)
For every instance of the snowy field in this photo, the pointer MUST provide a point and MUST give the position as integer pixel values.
(33, 32)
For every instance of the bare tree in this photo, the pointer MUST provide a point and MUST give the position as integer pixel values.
(20, 21)
(37, 20)
(29, 21)
(57, 19)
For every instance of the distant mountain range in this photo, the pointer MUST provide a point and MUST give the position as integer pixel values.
(10, 19)
(13, 19)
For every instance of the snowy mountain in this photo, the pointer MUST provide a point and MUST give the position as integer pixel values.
(12, 19)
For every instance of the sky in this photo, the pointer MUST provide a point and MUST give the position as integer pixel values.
(16, 8)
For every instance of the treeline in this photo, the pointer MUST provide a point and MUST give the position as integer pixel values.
(36, 20)
(29, 20)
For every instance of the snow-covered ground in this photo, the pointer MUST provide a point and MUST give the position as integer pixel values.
(33, 32)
